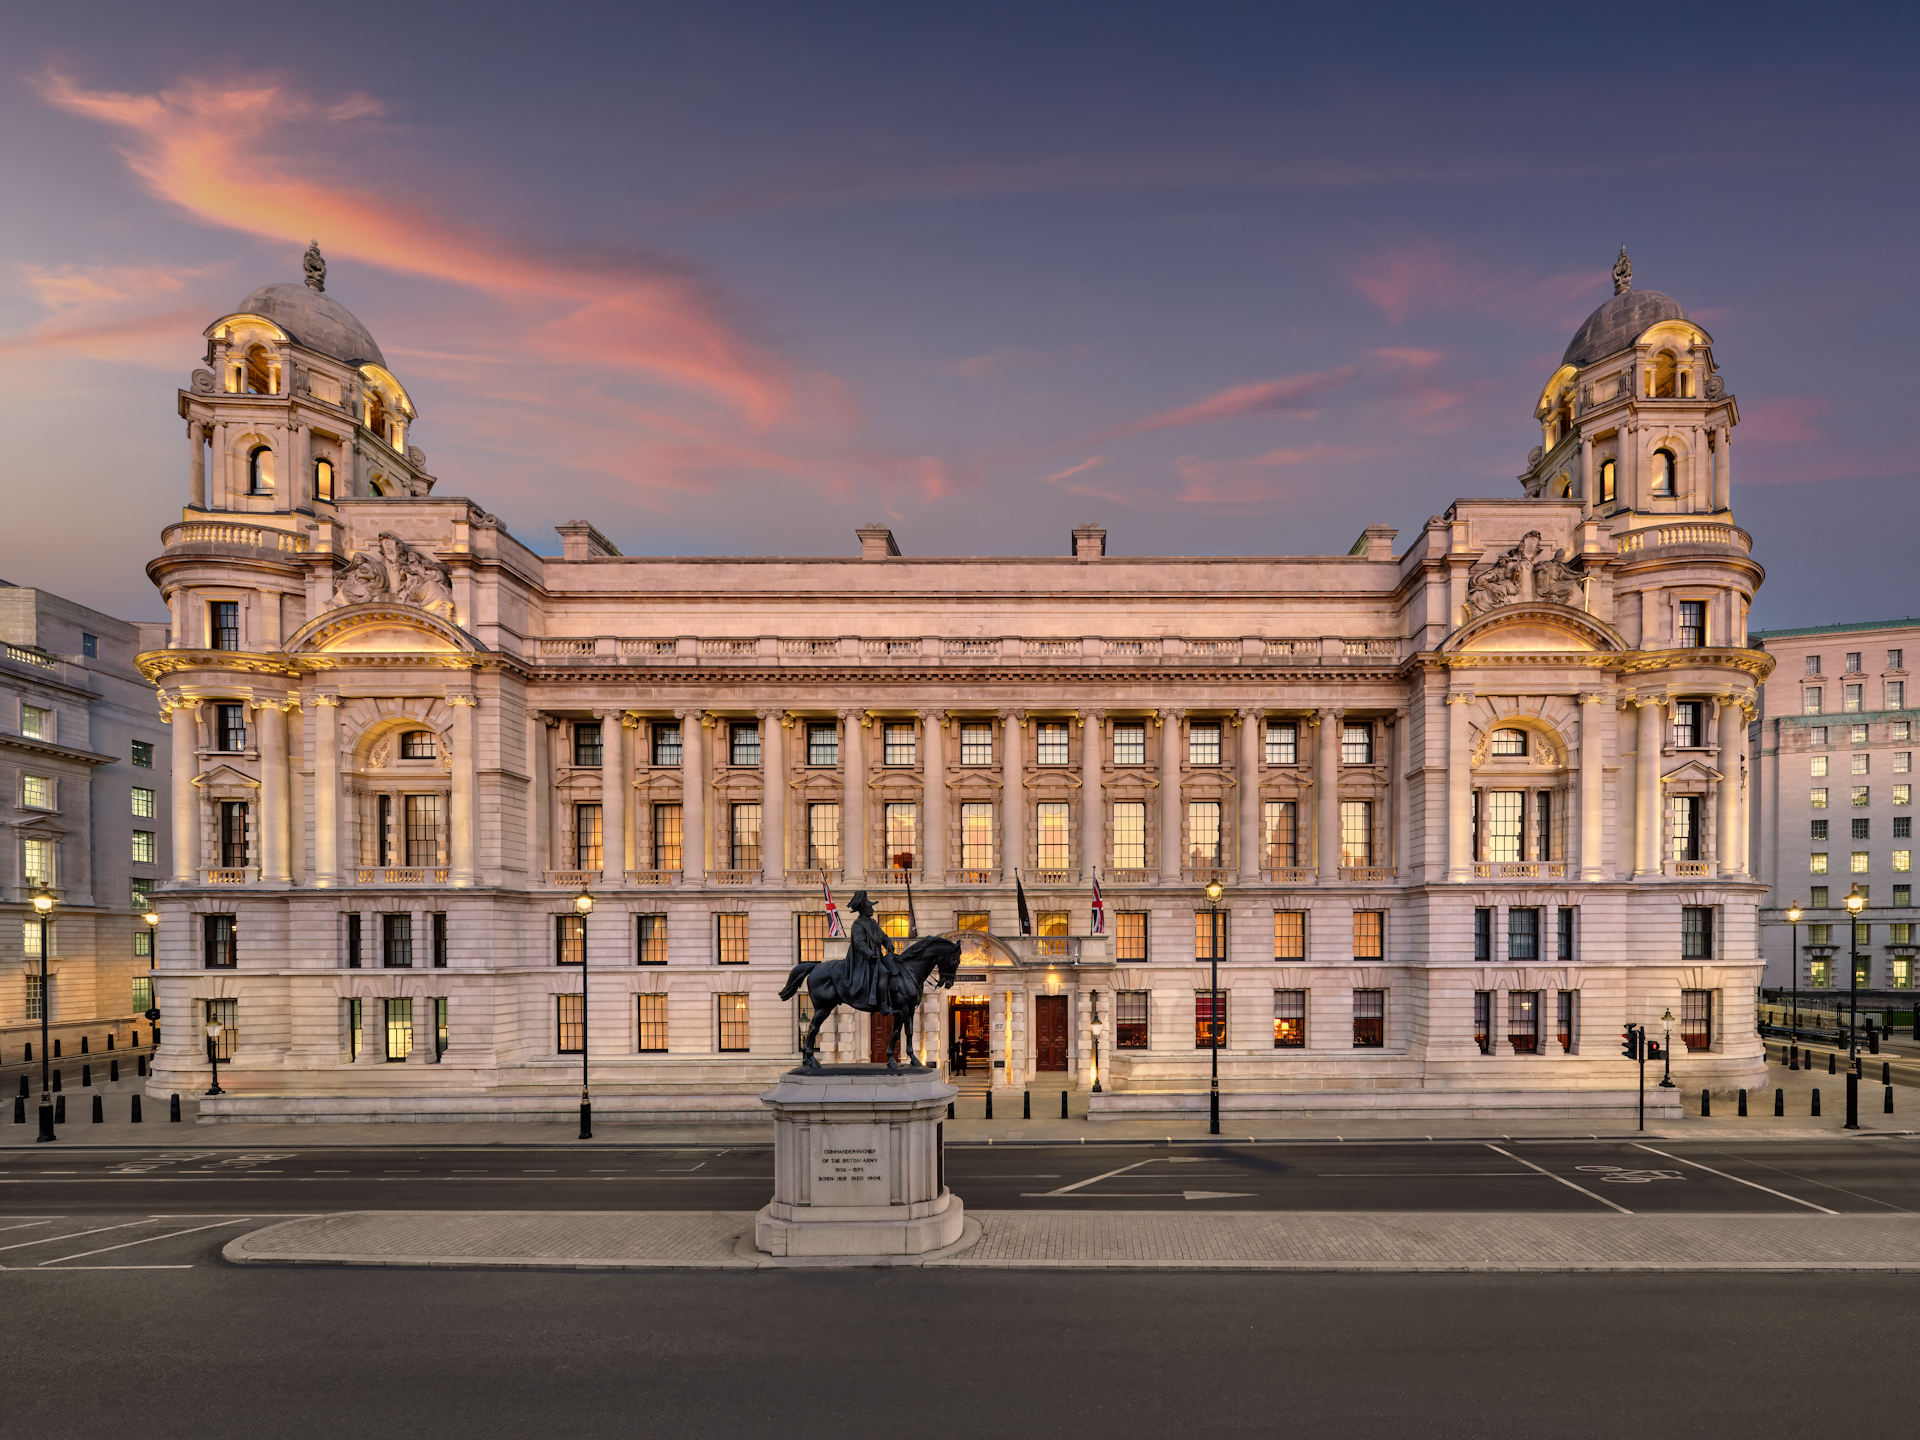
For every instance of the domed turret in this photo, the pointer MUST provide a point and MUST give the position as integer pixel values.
(315, 322)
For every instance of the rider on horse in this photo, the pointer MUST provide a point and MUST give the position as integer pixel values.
(872, 978)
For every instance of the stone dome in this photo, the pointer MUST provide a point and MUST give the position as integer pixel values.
(316, 321)
(1618, 323)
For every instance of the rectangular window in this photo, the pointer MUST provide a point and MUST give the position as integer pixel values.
(1290, 935)
(223, 624)
(570, 1023)
(1863, 829)
(650, 939)
(823, 836)
(1523, 934)
(36, 863)
(1568, 1019)
(666, 837)
(1541, 841)
(143, 945)
(1130, 935)
(1129, 835)
(730, 931)
(735, 1037)
(897, 743)
(437, 923)
(809, 937)
(233, 834)
(1853, 662)
(1483, 933)
(653, 1023)
(349, 1031)
(1817, 863)
(1902, 762)
(35, 992)
(143, 803)
(1817, 797)
(354, 956)
(1896, 659)
(90, 646)
(1820, 974)
(1050, 743)
(1896, 695)
(1687, 724)
(1504, 818)
(1203, 834)
(1356, 744)
(1693, 623)
(418, 745)
(823, 744)
(1861, 861)
(1203, 743)
(1283, 743)
(744, 835)
(1813, 664)
(1818, 830)
(1278, 835)
(1817, 767)
(1810, 701)
(976, 836)
(225, 1014)
(230, 728)
(1289, 1019)
(587, 748)
(1696, 932)
(1130, 1019)
(1483, 1021)
(1129, 744)
(1902, 973)
(1850, 698)
(143, 754)
(1209, 1019)
(743, 744)
(218, 942)
(35, 723)
(1903, 895)
(570, 939)
(1862, 764)
(1696, 1019)
(1523, 1020)
(1817, 737)
(1369, 934)
(902, 820)
(396, 942)
(587, 853)
(1817, 898)
(142, 994)
(399, 1014)
(1356, 834)
(1052, 927)
(1686, 827)
(1857, 735)
(1860, 795)
(422, 817)
(36, 792)
(976, 743)
(1564, 940)
(1210, 934)
(144, 847)
(1902, 861)
(1902, 827)
(142, 895)
(1903, 794)
(666, 743)
(1369, 1019)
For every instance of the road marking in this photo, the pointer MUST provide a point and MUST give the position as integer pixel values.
(98, 1230)
(1724, 1176)
(1426, 1174)
(25, 1225)
(150, 1239)
(36, 1270)
(1561, 1178)
(1082, 1184)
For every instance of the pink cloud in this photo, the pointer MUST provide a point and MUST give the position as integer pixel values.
(1263, 397)
(1786, 420)
(1427, 276)
(1286, 472)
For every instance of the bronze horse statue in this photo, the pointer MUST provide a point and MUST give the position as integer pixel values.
(826, 988)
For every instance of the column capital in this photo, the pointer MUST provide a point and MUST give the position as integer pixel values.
(1014, 717)
(1249, 713)
(324, 699)
(847, 715)
(1091, 717)
(547, 718)
(631, 721)
(1330, 712)
(169, 704)
(1160, 717)
(1461, 697)
(1589, 697)
(613, 714)
(685, 715)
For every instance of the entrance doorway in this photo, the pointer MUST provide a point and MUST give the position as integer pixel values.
(968, 1048)
(1050, 1032)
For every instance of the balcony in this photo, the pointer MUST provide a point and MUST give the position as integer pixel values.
(733, 877)
(1689, 869)
(241, 876)
(936, 652)
(1371, 874)
(1290, 875)
(653, 877)
(973, 877)
(1692, 533)
(401, 875)
(574, 879)
(218, 532)
(1520, 870)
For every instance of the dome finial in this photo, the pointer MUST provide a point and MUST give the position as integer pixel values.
(316, 267)
(1622, 272)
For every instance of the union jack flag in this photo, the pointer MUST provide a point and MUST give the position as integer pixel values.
(834, 928)
(1099, 910)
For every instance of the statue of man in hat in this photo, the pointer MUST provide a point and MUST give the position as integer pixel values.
(872, 975)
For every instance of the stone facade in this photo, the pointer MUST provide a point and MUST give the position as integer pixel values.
(1476, 801)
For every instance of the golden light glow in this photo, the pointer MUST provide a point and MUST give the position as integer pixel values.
(43, 902)
(1215, 890)
(152, 917)
(583, 902)
(1793, 913)
(1856, 902)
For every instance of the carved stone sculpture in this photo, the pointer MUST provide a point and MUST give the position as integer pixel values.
(1525, 572)
(316, 267)
(1557, 579)
(396, 572)
(203, 382)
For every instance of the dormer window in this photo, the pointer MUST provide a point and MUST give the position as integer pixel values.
(1609, 471)
(260, 471)
(1664, 469)
(323, 479)
(1509, 742)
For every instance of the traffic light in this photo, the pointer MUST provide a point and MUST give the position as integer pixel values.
(1630, 1042)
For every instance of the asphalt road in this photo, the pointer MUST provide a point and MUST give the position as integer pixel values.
(1863, 1175)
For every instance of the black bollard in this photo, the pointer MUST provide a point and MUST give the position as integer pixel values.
(56, 1081)
(19, 1109)
(1026, 1104)
(1886, 1072)
(113, 1070)
(949, 1109)
(1779, 1102)
(1794, 1062)
(1873, 1041)
(1887, 1107)
(1816, 1102)
(136, 1109)
(1743, 1104)
(1706, 1104)
(83, 1044)
(141, 1062)
(60, 1110)
(99, 1109)
(1063, 1105)
(23, 1085)
(989, 1103)
(56, 1049)
(86, 1077)
(173, 1108)
(1833, 1064)
(29, 1052)
(109, 1039)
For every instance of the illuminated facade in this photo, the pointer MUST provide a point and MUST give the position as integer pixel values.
(1475, 802)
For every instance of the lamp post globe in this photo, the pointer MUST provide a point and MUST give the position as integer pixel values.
(43, 908)
(583, 907)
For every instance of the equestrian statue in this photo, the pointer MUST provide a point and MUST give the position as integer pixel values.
(872, 977)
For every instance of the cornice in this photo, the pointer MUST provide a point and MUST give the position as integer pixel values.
(55, 752)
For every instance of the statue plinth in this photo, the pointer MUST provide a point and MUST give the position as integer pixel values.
(859, 1166)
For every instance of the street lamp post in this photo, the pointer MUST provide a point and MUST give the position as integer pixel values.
(1856, 902)
(1793, 919)
(213, 1056)
(1215, 1020)
(1666, 1052)
(583, 906)
(1099, 1029)
(43, 906)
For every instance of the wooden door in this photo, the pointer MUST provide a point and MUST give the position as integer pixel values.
(1050, 1032)
(879, 1036)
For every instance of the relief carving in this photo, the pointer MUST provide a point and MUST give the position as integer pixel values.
(1524, 572)
(399, 573)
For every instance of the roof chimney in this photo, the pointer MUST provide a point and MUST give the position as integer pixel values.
(876, 541)
(1089, 541)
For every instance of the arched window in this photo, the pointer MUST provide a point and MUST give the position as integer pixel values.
(259, 371)
(1563, 486)
(1509, 742)
(1563, 416)
(1664, 470)
(377, 484)
(1664, 369)
(323, 479)
(1609, 469)
(376, 414)
(260, 471)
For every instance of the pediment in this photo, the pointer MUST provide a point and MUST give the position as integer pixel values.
(1537, 628)
(381, 629)
(225, 777)
(1694, 772)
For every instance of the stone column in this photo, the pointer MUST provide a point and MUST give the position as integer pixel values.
(773, 797)
(540, 802)
(466, 772)
(1013, 794)
(1592, 757)
(326, 790)
(933, 802)
(197, 468)
(1459, 789)
(1249, 778)
(184, 716)
(1326, 794)
(1646, 777)
(693, 797)
(615, 784)
(274, 832)
(1733, 741)
(1586, 473)
(1093, 800)
(853, 799)
(299, 479)
(1723, 470)
(1172, 857)
(1399, 737)
(373, 1008)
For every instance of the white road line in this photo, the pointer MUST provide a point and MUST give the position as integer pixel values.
(1561, 1178)
(1082, 1184)
(1424, 1174)
(149, 1239)
(97, 1230)
(1725, 1176)
(72, 1269)
(24, 1225)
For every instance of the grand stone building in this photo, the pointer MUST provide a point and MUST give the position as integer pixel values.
(1477, 798)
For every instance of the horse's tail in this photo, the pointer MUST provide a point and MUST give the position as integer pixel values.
(796, 978)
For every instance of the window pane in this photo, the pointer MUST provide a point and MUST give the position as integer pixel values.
(897, 743)
(417, 745)
(653, 1024)
(143, 754)
(1289, 1019)
(1356, 744)
(744, 831)
(1130, 935)
(976, 836)
(1693, 622)
(1209, 1019)
(732, 930)
(1696, 932)
(666, 743)
(1052, 927)
(423, 832)
(1523, 1021)
(396, 941)
(1289, 934)
(1369, 1019)
(1523, 934)
(1686, 827)
(1203, 744)
(745, 747)
(1369, 934)
(144, 847)
(1129, 835)
(570, 939)
(1203, 833)
(1130, 1019)
(586, 744)
(1509, 742)
(1278, 834)
(1696, 1019)
(1502, 814)
(1210, 935)
(225, 1014)
(1283, 744)
(1356, 834)
(823, 744)
(1129, 744)
(1050, 743)
(1051, 847)
(903, 836)
(976, 744)
(734, 1034)
(586, 837)
(666, 837)
(823, 836)
(570, 1013)
(809, 937)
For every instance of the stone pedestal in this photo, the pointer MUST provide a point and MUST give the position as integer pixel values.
(859, 1165)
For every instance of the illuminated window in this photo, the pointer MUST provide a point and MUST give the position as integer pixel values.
(897, 743)
(823, 744)
(1819, 974)
(1860, 794)
(323, 479)
(1810, 701)
(1817, 897)
(260, 471)
(1130, 935)
(976, 744)
(1289, 1019)
(823, 836)
(1129, 744)
(422, 819)
(1903, 794)
(743, 832)
(586, 836)
(1686, 827)
(730, 931)
(1356, 834)
(667, 821)
(1050, 743)
(570, 1023)
(809, 937)
(1502, 819)
(1203, 743)
(36, 867)
(1692, 624)
(1278, 834)
(1209, 1019)
(36, 793)
(1210, 934)
(1903, 860)
(1850, 696)
(1289, 934)
(1696, 1019)
(1369, 1019)
(976, 836)
(1817, 863)
(1902, 761)
(1861, 765)
(653, 1024)
(569, 939)
(1369, 934)
(1203, 833)
(1130, 1009)
(145, 847)
(225, 1014)
(1129, 835)
(1052, 927)
(1523, 1021)
(1609, 470)
(898, 925)
(418, 745)
(1051, 830)
(1663, 472)
(1860, 862)
(1283, 743)
(1509, 742)
(1818, 767)
(666, 743)
(1356, 744)
(733, 1028)
(743, 749)
(902, 821)
(223, 625)
(1817, 797)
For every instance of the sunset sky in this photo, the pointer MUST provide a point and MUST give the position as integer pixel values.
(732, 279)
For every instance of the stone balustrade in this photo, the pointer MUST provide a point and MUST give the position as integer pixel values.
(225, 532)
(945, 652)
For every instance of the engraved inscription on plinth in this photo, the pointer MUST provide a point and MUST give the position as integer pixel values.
(850, 1165)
